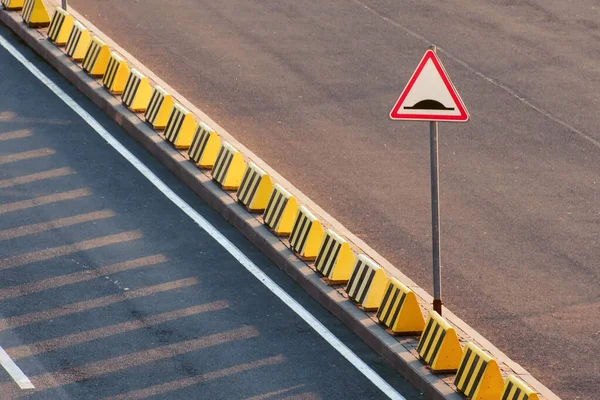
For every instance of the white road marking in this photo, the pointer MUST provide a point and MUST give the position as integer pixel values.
(325, 333)
(14, 371)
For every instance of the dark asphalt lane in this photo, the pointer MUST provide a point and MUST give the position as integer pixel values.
(308, 87)
(108, 290)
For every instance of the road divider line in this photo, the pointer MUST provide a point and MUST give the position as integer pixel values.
(325, 333)
(14, 371)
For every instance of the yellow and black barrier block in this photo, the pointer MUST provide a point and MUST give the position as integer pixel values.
(478, 376)
(160, 107)
(35, 14)
(280, 211)
(60, 27)
(180, 127)
(399, 310)
(367, 283)
(96, 58)
(255, 189)
(306, 235)
(229, 167)
(335, 259)
(516, 389)
(116, 74)
(439, 346)
(13, 5)
(78, 42)
(137, 91)
(205, 147)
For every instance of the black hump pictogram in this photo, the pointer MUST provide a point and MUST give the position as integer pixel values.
(429, 105)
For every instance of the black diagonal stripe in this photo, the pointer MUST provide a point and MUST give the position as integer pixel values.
(151, 105)
(273, 217)
(437, 346)
(95, 55)
(128, 86)
(109, 77)
(391, 307)
(89, 51)
(330, 261)
(219, 162)
(255, 184)
(269, 204)
(298, 232)
(426, 354)
(305, 237)
(461, 368)
(424, 335)
(134, 91)
(203, 141)
(518, 393)
(157, 108)
(169, 127)
(477, 379)
(295, 230)
(193, 150)
(71, 40)
(507, 391)
(225, 168)
(357, 294)
(245, 184)
(400, 304)
(384, 302)
(319, 259)
(278, 218)
(470, 373)
(353, 277)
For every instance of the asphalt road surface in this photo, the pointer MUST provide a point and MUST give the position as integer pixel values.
(108, 290)
(308, 85)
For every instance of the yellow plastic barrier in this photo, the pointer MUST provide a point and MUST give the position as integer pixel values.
(229, 167)
(255, 189)
(13, 5)
(78, 42)
(399, 310)
(136, 94)
(478, 376)
(439, 346)
(96, 58)
(159, 109)
(335, 259)
(35, 14)
(60, 27)
(116, 74)
(180, 127)
(516, 389)
(280, 211)
(367, 283)
(306, 235)
(205, 146)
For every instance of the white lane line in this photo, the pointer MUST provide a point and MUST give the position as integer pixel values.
(14, 371)
(358, 363)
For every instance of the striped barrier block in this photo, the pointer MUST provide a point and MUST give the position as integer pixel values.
(399, 310)
(13, 5)
(60, 27)
(255, 189)
(367, 283)
(35, 14)
(478, 376)
(335, 259)
(229, 167)
(439, 346)
(78, 42)
(160, 107)
(96, 58)
(180, 127)
(116, 74)
(306, 235)
(516, 389)
(137, 91)
(280, 211)
(205, 147)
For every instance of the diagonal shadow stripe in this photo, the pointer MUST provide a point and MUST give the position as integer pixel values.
(15, 135)
(26, 319)
(26, 155)
(42, 255)
(82, 276)
(39, 201)
(183, 383)
(22, 180)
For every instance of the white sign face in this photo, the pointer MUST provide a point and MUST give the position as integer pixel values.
(430, 95)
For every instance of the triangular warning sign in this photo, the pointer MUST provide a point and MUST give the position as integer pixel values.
(430, 95)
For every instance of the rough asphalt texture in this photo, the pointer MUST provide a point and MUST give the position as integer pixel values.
(160, 309)
(308, 87)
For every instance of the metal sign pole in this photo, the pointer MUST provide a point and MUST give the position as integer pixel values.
(435, 217)
(64, 5)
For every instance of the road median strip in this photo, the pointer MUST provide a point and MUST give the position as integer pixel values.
(188, 127)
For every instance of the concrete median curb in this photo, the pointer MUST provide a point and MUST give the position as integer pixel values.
(399, 352)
